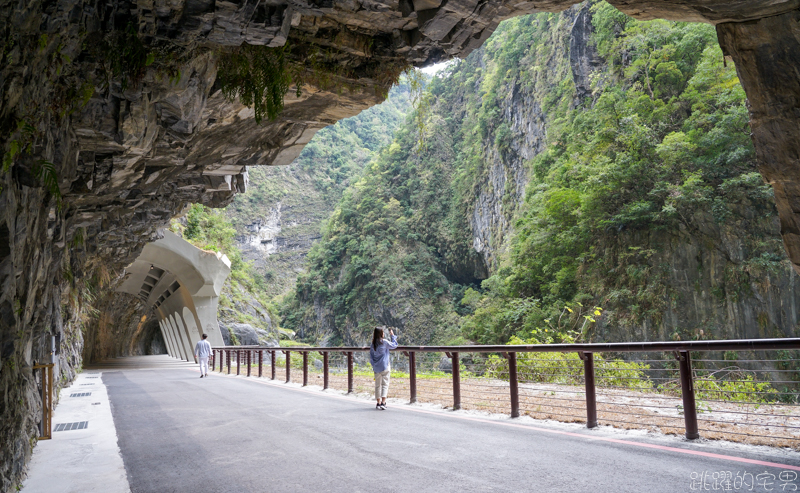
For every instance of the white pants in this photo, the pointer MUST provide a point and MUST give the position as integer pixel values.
(382, 384)
(204, 365)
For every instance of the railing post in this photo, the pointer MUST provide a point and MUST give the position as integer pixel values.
(272, 360)
(412, 375)
(288, 366)
(43, 423)
(324, 370)
(50, 385)
(591, 397)
(249, 355)
(349, 372)
(45, 431)
(305, 368)
(513, 383)
(238, 359)
(456, 380)
(260, 362)
(228, 351)
(687, 391)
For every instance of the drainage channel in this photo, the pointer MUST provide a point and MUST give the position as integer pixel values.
(78, 425)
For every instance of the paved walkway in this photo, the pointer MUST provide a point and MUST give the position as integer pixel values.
(87, 458)
(177, 433)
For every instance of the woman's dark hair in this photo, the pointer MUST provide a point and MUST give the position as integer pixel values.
(376, 338)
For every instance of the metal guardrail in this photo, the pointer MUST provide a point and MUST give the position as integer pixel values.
(552, 385)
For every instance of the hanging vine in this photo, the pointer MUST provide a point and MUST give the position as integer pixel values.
(258, 75)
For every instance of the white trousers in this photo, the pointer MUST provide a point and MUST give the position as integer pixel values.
(204, 365)
(382, 384)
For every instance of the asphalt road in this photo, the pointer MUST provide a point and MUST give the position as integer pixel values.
(180, 433)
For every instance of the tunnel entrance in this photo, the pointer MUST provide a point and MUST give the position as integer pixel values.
(181, 284)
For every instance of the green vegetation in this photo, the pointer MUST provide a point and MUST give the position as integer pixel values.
(121, 54)
(567, 369)
(666, 141)
(371, 254)
(258, 75)
(656, 158)
(663, 141)
(45, 171)
(327, 164)
(307, 191)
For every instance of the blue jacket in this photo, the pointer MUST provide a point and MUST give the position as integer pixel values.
(380, 357)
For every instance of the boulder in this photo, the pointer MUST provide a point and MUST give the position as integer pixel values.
(246, 335)
(446, 365)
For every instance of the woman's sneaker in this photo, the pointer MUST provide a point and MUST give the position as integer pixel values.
(378, 407)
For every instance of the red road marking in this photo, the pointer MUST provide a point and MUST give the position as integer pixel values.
(545, 430)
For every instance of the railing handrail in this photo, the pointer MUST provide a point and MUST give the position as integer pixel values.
(682, 352)
(607, 347)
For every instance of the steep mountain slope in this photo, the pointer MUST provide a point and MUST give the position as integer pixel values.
(281, 215)
(577, 160)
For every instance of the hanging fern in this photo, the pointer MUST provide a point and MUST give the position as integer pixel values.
(121, 54)
(258, 75)
(46, 172)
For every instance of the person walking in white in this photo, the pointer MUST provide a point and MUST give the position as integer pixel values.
(202, 351)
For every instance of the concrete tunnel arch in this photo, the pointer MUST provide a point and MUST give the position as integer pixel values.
(165, 334)
(169, 335)
(181, 284)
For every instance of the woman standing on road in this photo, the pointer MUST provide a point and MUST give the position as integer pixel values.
(379, 357)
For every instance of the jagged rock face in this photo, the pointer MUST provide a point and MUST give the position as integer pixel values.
(709, 11)
(262, 234)
(123, 327)
(132, 158)
(507, 176)
(701, 271)
(767, 55)
(583, 56)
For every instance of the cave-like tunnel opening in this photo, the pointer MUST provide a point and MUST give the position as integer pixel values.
(115, 116)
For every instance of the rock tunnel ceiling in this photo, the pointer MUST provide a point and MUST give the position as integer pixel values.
(95, 167)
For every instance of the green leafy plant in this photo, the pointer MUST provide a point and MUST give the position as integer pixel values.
(46, 172)
(121, 54)
(258, 76)
(729, 384)
(567, 369)
(20, 142)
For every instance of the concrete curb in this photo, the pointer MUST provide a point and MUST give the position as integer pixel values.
(80, 460)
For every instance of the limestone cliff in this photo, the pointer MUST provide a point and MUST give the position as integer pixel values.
(282, 215)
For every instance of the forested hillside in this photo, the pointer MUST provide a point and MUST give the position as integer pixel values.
(267, 232)
(583, 176)
(282, 213)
